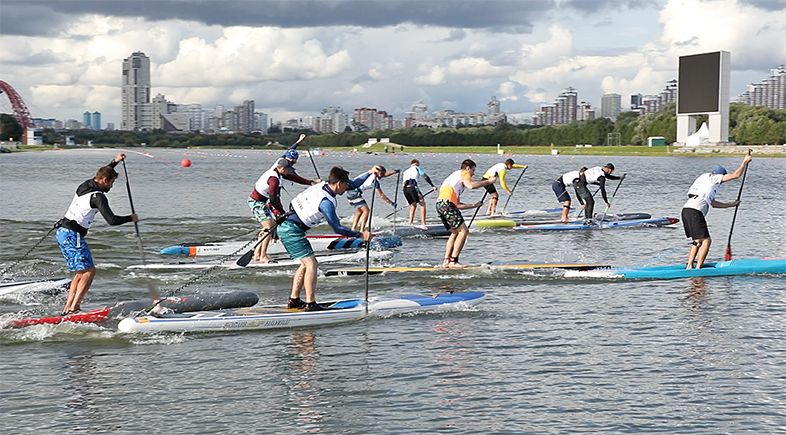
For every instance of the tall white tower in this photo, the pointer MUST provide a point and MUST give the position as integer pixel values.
(136, 90)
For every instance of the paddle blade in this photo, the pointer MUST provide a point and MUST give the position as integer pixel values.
(728, 253)
(245, 259)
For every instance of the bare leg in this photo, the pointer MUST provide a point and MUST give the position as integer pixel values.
(461, 238)
(261, 252)
(78, 288)
(297, 280)
(422, 213)
(565, 211)
(412, 208)
(310, 277)
(363, 217)
(492, 210)
(449, 247)
(704, 249)
(694, 248)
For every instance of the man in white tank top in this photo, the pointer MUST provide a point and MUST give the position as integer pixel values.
(701, 196)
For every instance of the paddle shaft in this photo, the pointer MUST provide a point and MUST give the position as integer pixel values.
(477, 209)
(612, 199)
(368, 244)
(504, 209)
(734, 218)
(312, 159)
(396, 211)
(395, 201)
(151, 288)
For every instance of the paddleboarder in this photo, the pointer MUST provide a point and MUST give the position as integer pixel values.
(701, 196)
(90, 198)
(500, 170)
(559, 186)
(307, 209)
(356, 200)
(412, 192)
(265, 204)
(449, 208)
(596, 175)
(292, 156)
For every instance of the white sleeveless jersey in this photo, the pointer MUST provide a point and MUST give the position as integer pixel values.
(306, 204)
(412, 173)
(568, 178)
(593, 174)
(455, 181)
(261, 185)
(368, 184)
(80, 210)
(704, 188)
(495, 170)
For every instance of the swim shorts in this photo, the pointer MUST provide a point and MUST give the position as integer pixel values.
(560, 190)
(294, 240)
(260, 210)
(449, 214)
(695, 224)
(355, 198)
(74, 248)
(413, 195)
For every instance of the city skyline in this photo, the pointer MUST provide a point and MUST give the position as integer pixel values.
(295, 58)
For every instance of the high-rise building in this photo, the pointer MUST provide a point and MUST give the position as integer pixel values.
(135, 90)
(260, 122)
(245, 115)
(610, 106)
(492, 107)
(86, 120)
(771, 92)
(95, 121)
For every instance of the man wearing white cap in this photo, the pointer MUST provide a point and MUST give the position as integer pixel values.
(701, 196)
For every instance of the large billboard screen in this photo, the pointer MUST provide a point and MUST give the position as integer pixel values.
(699, 83)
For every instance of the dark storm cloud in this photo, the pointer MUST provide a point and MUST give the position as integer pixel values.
(21, 16)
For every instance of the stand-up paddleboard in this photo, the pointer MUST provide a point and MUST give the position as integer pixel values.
(318, 243)
(277, 317)
(501, 222)
(437, 230)
(654, 222)
(176, 304)
(231, 264)
(742, 266)
(47, 286)
(492, 265)
(543, 212)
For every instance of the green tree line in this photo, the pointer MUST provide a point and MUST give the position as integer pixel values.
(747, 124)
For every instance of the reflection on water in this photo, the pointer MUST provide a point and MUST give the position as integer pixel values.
(304, 394)
(80, 389)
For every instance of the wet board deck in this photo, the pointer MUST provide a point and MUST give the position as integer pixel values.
(232, 264)
(740, 266)
(318, 243)
(277, 317)
(493, 265)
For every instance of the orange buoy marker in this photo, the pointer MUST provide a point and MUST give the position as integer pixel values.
(185, 163)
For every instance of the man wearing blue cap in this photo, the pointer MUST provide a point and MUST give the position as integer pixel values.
(701, 196)
(292, 155)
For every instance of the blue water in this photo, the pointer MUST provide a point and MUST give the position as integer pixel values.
(543, 354)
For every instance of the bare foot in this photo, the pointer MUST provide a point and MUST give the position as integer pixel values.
(456, 266)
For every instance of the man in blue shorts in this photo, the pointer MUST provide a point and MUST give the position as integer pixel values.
(90, 198)
(308, 208)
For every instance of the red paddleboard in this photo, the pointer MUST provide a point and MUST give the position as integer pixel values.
(95, 316)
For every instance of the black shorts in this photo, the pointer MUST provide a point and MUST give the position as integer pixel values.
(694, 223)
(413, 195)
(490, 188)
(560, 190)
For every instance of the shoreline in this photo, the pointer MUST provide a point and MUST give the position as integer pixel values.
(598, 150)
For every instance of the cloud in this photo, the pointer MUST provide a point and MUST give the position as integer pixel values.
(461, 14)
(435, 76)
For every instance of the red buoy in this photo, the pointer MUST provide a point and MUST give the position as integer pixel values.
(185, 163)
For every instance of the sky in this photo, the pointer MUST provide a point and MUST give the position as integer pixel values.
(295, 57)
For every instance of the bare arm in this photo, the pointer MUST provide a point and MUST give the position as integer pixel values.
(738, 173)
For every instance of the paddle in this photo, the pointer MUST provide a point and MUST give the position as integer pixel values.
(395, 201)
(504, 209)
(477, 209)
(739, 195)
(246, 258)
(368, 244)
(151, 288)
(611, 200)
(396, 210)
(312, 159)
